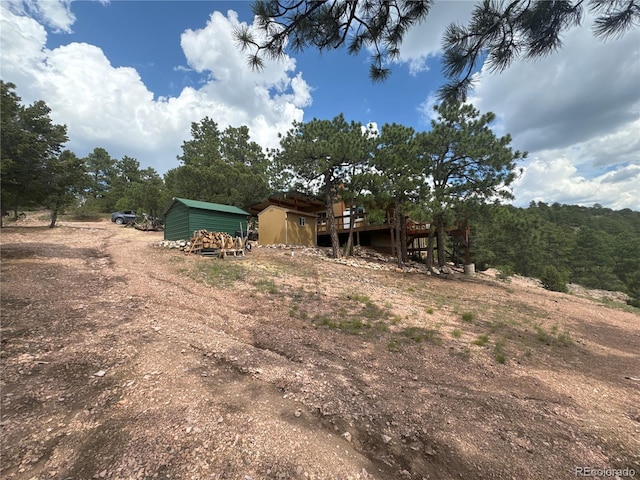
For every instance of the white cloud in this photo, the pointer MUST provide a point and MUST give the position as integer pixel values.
(604, 169)
(56, 14)
(427, 110)
(424, 41)
(549, 178)
(110, 107)
(212, 49)
(22, 39)
(371, 129)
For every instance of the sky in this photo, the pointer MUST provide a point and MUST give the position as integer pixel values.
(132, 76)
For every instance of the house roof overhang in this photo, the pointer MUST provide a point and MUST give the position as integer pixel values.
(289, 200)
(217, 207)
(289, 210)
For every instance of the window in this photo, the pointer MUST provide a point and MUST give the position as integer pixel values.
(302, 221)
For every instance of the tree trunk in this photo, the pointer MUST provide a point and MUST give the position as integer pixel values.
(440, 233)
(54, 218)
(331, 218)
(430, 245)
(349, 246)
(403, 237)
(398, 226)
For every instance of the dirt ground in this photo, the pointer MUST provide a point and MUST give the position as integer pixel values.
(124, 360)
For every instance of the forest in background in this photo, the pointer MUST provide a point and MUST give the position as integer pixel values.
(595, 247)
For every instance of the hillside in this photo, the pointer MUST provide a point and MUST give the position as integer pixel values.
(122, 359)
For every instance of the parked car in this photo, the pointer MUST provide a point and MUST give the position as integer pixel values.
(126, 216)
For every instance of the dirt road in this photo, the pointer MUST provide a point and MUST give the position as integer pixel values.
(123, 360)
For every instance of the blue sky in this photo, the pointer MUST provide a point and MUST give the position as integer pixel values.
(131, 77)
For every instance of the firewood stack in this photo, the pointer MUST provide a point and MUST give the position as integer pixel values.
(217, 240)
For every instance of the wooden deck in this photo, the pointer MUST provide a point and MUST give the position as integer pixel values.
(417, 233)
(414, 229)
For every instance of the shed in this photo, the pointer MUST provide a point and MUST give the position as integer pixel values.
(183, 217)
(284, 225)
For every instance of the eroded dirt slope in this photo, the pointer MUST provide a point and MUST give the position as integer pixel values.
(124, 360)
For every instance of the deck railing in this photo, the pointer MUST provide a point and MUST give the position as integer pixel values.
(417, 228)
(343, 222)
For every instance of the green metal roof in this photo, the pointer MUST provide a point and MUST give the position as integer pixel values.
(218, 207)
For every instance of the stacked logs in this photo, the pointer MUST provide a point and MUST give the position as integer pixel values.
(212, 239)
(203, 240)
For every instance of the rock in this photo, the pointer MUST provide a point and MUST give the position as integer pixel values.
(100, 373)
(430, 451)
(347, 436)
(386, 438)
(524, 443)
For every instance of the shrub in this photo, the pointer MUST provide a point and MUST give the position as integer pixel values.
(564, 339)
(87, 213)
(634, 302)
(498, 352)
(542, 335)
(393, 346)
(634, 292)
(504, 272)
(553, 280)
(468, 316)
(419, 335)
(359, 298)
